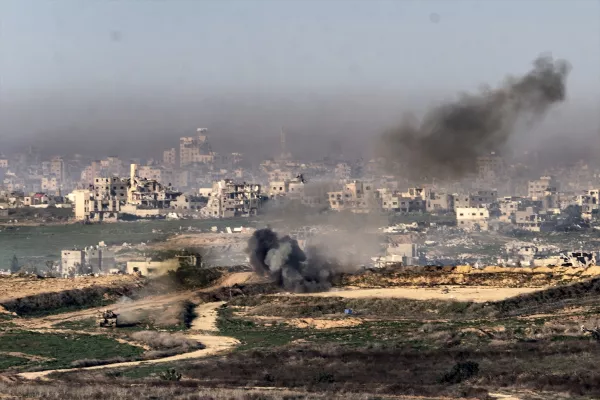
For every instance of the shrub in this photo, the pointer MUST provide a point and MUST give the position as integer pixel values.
(170, 375)
(461, 371)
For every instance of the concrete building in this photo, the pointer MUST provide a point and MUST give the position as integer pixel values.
(356, 196)
(438, 202)
(90, 172)
(170, 157)
(195, 149)
(480, 198)
(532, 220)
(406, 252)
(110, 187)
(71, 262)
(230, 199)
(590, 203)
(57, 168)
(279, 175)
(293, 188)
(149, 172)
(187, 202)
(152, 269)
(91, 260)
(490, 167)
(148, 193)
(50, 184)
(508, 209)
(3, 162)
(472, 218)
(539, 188)
(393, 201)
(89, 208)
(36, 199)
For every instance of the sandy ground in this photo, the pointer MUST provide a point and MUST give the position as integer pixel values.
(14, 287)
(206, 321)
(458, 293)
(203, 240)
(322, 323)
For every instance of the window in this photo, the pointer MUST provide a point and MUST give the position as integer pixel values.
(481, 214)
(461, 214)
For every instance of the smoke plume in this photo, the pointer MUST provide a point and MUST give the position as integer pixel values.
(285, 262)
(450, 137)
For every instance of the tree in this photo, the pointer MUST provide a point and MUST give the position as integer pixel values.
(52, 268)
(14, 265)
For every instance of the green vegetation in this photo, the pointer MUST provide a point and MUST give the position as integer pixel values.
(61, 350)
(303, 307)
(8, 361)
(369, 334)
(81, 324)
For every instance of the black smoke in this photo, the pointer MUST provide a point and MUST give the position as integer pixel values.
(282, 259)
(450, 138)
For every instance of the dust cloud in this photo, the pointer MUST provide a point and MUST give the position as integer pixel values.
(282, 259)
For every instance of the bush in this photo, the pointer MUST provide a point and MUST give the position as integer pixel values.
(460, 372)
(170, 375)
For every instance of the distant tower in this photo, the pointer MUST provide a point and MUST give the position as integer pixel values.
(284, 153)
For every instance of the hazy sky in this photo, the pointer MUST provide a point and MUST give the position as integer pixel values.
(57, 57)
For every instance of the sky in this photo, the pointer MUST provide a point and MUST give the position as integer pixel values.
(129, 68)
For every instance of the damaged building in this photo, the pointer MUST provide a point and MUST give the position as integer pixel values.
(232, 199)
(91, 260)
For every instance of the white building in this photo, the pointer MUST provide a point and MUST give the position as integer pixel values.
(89, 208)
(471, 218)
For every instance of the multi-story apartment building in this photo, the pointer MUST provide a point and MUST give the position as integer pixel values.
(590, 203)
(539, 188)
(57, 168)
(50, 184)
(195, 149)
(490, 167)
(170, 157)
(480, 198)
(231, 199)
(356, 196)
(90, 208)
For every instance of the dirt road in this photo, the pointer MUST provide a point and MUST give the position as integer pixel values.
(457, 293)
(206, 321)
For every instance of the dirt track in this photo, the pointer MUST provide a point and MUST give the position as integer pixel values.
(214, 344)
(457, 293)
